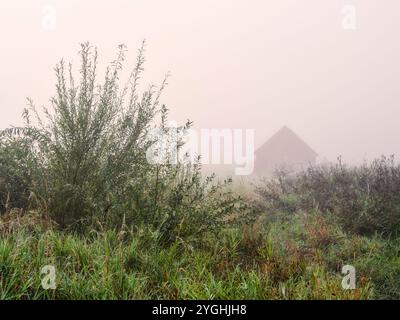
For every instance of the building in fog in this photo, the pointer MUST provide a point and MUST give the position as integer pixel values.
(284, 149)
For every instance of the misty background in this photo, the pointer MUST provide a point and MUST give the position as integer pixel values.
(257, 64)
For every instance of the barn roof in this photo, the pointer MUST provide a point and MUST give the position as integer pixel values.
(285, 139)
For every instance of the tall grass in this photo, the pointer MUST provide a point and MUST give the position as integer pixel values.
(286, 262)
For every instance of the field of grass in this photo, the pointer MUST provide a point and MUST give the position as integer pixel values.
(299, 259)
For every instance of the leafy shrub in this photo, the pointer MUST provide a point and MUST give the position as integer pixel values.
(15, 172)
(84, 159)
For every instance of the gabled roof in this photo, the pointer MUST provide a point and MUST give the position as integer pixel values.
(285, 139)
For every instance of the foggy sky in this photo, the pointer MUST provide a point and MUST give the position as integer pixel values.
(256, 64)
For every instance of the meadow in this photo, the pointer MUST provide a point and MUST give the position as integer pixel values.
(78, 193)
(298, 259)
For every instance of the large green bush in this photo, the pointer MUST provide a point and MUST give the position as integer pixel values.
(83, 160)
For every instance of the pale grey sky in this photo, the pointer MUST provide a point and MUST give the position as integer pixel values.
(235, 64)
